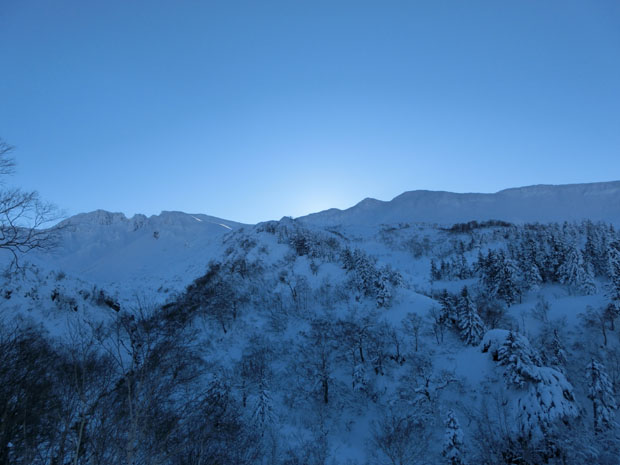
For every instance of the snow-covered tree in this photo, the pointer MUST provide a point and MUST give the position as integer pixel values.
(614, 271)
(500, 277)
(453, 445)
(531, 276)
(574, 272)
(520, 360)
(601, 393)
(539, 396)
(263, 408)
(508, 279)
(470, 323)
(449, 304)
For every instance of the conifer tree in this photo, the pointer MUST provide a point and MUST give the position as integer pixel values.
(600, 392)
(453, 445)
(590, 254)
(448, 308)
(614, 271)
(263, 409)
(507, 288)
(575, 273)
(520, 360)
(531, 276)
(470, 323)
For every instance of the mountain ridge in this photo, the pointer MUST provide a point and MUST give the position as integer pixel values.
(536, 203)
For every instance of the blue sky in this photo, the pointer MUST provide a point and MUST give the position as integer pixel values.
(251, 110)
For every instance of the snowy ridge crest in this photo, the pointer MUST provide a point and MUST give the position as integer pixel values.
(540, 203)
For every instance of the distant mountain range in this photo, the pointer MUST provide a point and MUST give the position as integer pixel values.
(542, 203)
(121, 252)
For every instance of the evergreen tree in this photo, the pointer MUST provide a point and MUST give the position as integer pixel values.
(507, 279)
(263, 409)
(614, 271)
(575, 273)
(520, 360)
(462, 270)
(555, 256)
(489, 271)
(600, 392)
(557, 354)
(448, 308)
(383, 291)
(590, 250)
(453, 445)
(531, 277)
(470, 323)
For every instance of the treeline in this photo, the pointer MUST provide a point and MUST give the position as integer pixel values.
(532, 255)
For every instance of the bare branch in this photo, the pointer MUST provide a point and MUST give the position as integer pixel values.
(7, 164)
(26, 222)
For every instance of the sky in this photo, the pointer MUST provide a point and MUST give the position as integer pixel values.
(253, 110)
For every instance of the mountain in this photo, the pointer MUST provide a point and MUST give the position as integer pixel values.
(131, 253)
(540, 203)
(289, 342)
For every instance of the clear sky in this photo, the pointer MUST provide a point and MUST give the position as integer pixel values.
(251, 110)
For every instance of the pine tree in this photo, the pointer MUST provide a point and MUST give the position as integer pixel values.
(470, 323)
(507, 278)
(590, 250)
(614, 270)
(383, 291)
(575, 273)
(489, 270)
(520, 360)
(462, 268)
(600, 392)
(555, 257)
(448, 309)
(532, 277)
(557, 354)
(263, 409)
(453, 445)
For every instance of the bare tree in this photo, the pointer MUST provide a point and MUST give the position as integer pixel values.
(24, 217)
(400, 439)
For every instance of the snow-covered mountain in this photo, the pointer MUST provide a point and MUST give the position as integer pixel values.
(120, 253)
(295, 342)
(542, 203)
(167, 251)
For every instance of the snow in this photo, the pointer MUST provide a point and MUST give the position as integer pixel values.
(153, 259)
(541, 203)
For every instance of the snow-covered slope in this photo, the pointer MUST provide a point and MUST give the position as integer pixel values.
(542, 203)
(134, 253)
(328, 345)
